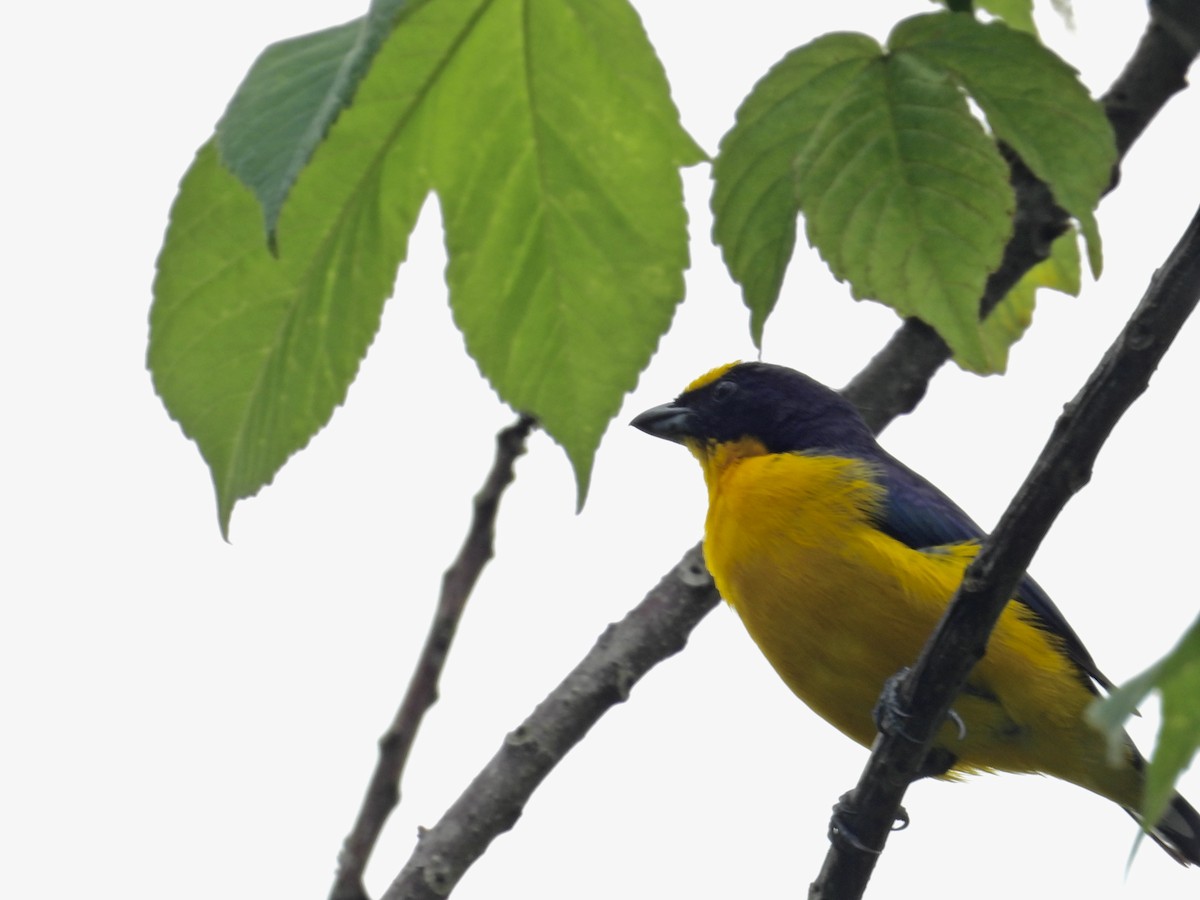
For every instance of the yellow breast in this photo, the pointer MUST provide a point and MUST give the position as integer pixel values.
(790, 546)
(838, 607)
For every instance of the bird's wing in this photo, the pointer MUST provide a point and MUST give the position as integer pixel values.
(919, 515)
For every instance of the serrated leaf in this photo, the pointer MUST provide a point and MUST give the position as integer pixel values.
(250, 353)
(565, 273)
(291, 96)
(1177, 678)
(754, 200)
(281, 112)
(1033, 101)
(1007, 323)
(907, 198)
(547, 130)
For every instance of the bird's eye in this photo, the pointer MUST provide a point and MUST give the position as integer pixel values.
(723, 390)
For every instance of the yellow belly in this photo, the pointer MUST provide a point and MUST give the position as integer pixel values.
(838, 607)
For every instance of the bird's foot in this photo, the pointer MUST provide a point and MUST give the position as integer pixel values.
(891, 718)
(958, 723)
(889, 715)
(844, 813)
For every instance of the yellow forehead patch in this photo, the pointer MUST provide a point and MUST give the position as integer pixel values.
(710, 377)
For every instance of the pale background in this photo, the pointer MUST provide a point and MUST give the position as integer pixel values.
(188, 718)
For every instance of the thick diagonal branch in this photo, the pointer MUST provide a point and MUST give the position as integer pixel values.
(383, 791)
(1064, 466)
(654, 630)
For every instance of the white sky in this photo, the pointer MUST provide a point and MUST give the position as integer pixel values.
(188, 718)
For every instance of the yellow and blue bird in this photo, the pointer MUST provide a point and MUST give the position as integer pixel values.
(840, 560)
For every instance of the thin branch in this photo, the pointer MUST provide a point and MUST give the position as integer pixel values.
(891, 384)
(1065, 466)
(383, 791)
(654, 630)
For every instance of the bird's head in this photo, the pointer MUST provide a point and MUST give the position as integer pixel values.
(748, 409)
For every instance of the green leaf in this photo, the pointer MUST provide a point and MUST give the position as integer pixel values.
(252, 353)
(1109, 714)
(1016, 14)
(754, 198)
(548, 132)
(282, 111)
(1177, 678)
(566, 270)
(1033, 101)
(1006, 324)
(907, 198)
(904, 194)
(291, 96)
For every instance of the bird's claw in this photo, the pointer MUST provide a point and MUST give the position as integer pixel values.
(959, 723)
(839, 831)
(891, 718)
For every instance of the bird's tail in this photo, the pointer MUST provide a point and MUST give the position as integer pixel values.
(1177, 832)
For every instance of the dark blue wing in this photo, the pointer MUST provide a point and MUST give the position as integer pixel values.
(919, 515)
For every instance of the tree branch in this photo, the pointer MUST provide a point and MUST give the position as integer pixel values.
(654, 630)
(891, 384)
(1157, 70)
(383, 791)
(1064, 466)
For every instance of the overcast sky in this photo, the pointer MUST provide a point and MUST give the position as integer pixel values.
(188, 718)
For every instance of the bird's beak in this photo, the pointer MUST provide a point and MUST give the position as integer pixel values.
(669, 422)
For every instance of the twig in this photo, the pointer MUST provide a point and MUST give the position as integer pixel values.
(1064, 466)
(654, 630)
(383, 792)
(890, 385)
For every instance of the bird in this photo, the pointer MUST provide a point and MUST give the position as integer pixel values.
(840, 560)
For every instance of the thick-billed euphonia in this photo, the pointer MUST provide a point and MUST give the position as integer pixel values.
(840, 561)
